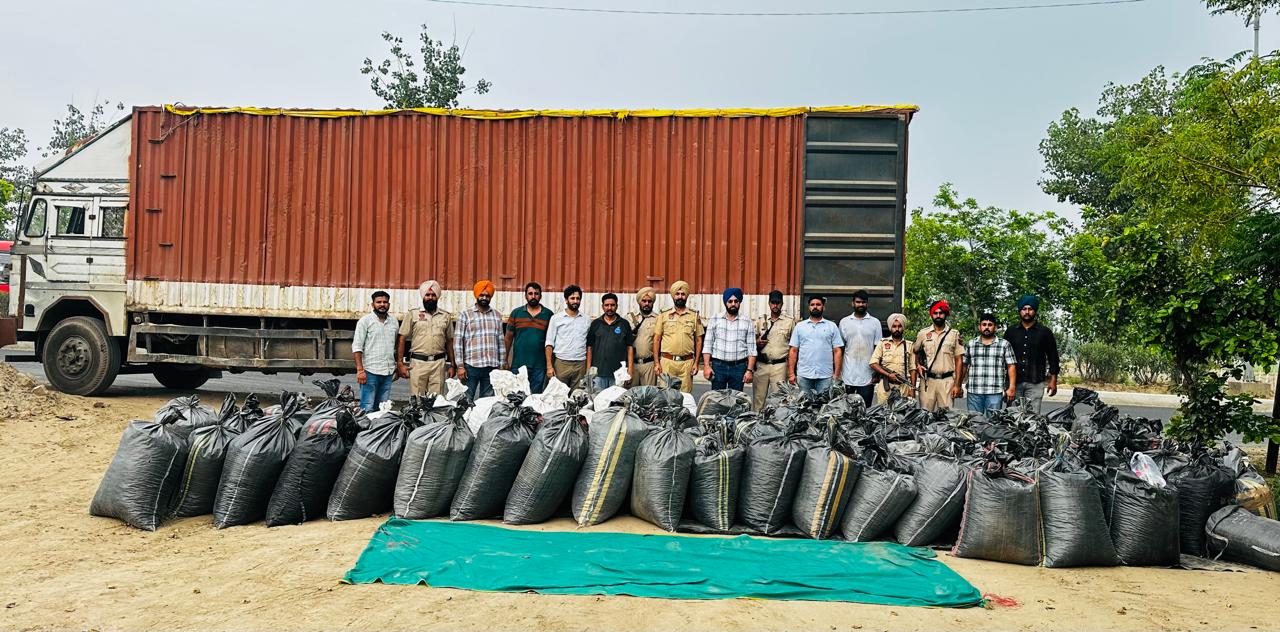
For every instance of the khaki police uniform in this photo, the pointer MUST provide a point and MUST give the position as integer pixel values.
(894, 356)
(428, 337)
(677, 332)
(940, 352)
(771, 361)
(642, 368)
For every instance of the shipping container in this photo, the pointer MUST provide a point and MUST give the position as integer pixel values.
(283, 222)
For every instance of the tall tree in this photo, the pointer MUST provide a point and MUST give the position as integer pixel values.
(78, 126)
(14, 176)
(982, 258)
(434, 81)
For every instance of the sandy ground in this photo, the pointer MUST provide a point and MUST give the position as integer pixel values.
(64, 569)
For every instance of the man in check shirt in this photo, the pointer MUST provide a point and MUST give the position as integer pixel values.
(567, 340)
(478, 342)
(374, 348)
(990, 368)
(729, 350)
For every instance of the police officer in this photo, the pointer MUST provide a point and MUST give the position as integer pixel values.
(939, 351)
(894, 361)
(676, 338)
(773, 336)
(429, 334)
(642, 324)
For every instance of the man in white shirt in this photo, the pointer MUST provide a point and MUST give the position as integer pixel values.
(374, 348)
(729, 349)
(861, 331)
(567, 340)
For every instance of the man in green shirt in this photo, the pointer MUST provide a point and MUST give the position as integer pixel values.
(527, 335)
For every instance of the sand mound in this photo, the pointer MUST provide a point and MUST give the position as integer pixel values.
(23, 399)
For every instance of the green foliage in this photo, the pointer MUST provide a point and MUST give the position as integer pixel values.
(1101, 362)
(78, 126)
(1209, 413)
(1147, 365)
(982, 258)
(1243, 8)
(435, 81)
(14, 177)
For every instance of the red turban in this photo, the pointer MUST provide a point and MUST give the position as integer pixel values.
(942, 305)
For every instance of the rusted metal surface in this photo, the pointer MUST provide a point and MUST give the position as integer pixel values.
(388, 201)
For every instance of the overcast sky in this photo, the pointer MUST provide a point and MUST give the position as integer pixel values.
(987, 84)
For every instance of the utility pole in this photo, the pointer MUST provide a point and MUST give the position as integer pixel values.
(1257, 25)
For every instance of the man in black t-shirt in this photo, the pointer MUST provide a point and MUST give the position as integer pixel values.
(609, 342)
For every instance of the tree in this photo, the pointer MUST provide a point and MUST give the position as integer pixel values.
(76, 126)
(401, 83)
(1244, 8)
(14, 177)
(1179, 176)
(982, 258)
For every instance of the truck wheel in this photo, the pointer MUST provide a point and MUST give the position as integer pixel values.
(79, 357)
(178, 377)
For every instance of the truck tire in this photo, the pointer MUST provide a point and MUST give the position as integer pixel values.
(179, 377)
(79, 357)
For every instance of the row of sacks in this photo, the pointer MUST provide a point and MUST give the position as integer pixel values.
(1061, 489)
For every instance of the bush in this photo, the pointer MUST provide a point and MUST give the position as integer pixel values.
(1146, 365)
(1208, 413)
(1101, 362)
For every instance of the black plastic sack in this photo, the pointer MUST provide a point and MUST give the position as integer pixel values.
(501, 445)
(306, 482)
(1075, 525)
(723, 403)
(550, 468)
(432, 464)
(879, 498)
(605, 478)
(826, 486)
(1236, 534)
(367, 481)
(1204, 487)
(660, 482)
(250, 413)
(203, 470)
(645, 402)
(940, 483)
(1144, 521)
(254, 461)
(193, 414)
(1001, 518)
(714, 481)
(771, 475)
(141, 485)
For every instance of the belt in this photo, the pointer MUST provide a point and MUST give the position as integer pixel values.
(941, 376)
(730, 362)
(644, 360)
(764, 360)
(428, 358)
(676, 358)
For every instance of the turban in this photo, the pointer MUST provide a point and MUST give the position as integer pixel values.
(645, 291)
(482, 287)
(1029, 299)
(898, 318)
(432, 285)
(942, 305)
(732, 292)
(680, 286)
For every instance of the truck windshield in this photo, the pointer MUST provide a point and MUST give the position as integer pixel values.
(35, 219)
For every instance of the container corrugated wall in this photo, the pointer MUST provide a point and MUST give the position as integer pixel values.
(357, 202)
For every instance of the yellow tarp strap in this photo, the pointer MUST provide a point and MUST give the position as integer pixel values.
(520, 114)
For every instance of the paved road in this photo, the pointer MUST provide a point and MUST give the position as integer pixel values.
(145, 385)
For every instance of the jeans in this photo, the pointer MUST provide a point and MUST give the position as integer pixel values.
(478, 381)
(604, 381)
(810, 385)
(985, 403)
(375, 390)
(867, 392)
(1033, 392)
(537, 380)
(727, 374)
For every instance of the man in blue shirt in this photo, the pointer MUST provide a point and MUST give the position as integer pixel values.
(816, 348)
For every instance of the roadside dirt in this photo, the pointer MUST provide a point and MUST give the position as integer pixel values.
(65, 569)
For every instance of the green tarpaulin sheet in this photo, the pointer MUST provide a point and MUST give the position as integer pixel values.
(480, 557)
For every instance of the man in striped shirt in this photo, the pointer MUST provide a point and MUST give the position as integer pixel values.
(729, 350)
(478, 342)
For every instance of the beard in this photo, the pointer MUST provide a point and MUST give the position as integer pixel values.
(860, 312)
(646, 310)
(533, 302)
(896, 335)
(482, 302)
(1028, 318)
(430, 306)
(733, 311)
(681, 302)
(815, 313)
(940, 321)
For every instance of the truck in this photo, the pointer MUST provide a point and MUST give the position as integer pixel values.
(189, 241)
